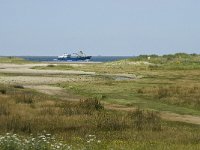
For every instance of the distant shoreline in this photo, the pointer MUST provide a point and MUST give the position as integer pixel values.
(93, 59)
(71, 62)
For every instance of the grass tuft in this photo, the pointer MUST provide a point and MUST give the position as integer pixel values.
(146, 120)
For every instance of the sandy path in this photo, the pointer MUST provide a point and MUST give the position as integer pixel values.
(34, 80)
(24, 75)
(164, 115)
(180, 118)
(41, 82)
(60, 93)
(26, 69)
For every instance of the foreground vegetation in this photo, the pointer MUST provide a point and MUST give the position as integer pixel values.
(113, 112)
(84, 124)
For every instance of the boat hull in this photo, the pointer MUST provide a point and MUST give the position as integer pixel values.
(75, 58)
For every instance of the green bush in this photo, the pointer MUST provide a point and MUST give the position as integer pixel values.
(18, 86)
(91, 104)
(3, 91)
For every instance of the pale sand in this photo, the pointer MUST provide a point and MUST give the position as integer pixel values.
(26, 69)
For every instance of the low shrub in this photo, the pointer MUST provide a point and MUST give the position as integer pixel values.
(182, 95)
(87, 106)
(24, 98)
(47, 111)
(91, 104)
(4, 109)
(146, 120)
(18, 86)
(18, 124)
(3, 91)
(50, 65)
(110, 121)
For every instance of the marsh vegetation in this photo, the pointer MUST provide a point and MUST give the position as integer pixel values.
(110, 113)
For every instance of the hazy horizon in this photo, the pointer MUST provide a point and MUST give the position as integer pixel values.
(106, 27)
(96, 55)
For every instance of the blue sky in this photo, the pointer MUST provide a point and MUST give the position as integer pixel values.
(99, 27)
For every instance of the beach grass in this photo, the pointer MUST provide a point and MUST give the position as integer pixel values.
(13, 60)
(87, 124)
(112, 112)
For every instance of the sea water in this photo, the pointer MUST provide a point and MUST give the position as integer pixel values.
(93, 59)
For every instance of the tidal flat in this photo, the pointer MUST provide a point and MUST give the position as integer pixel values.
(145, 102)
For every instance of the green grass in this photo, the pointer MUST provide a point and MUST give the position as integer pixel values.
(167, 83)
(158, 72)
(27, 112)
(14, 60)
(135, 65)
(126, 92)
(54, 67)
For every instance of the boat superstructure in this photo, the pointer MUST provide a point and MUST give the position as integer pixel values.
(80, 56)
